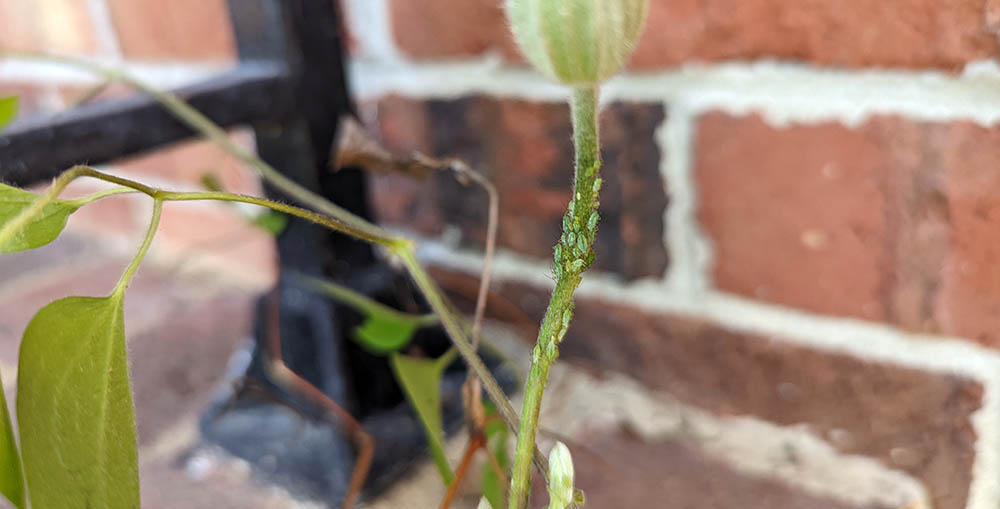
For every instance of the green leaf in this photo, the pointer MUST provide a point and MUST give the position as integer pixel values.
(11, 481)
(421, 381)
(382, 333)
(494, 489)
(8, 110)
(42, 229)
(74, 406)
(270, 221)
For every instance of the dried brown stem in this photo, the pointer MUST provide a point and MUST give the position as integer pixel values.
(279, 373)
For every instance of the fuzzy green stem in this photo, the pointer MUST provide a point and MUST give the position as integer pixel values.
(573, 254)
(203, 125)
(457, 333)
(154, 222)
(91, 198)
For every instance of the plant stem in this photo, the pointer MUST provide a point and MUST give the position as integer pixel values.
(203, 125)
(90, 198)
(573, 254)
(454, 329)
(154, 222)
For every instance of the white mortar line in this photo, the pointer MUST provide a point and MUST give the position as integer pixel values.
(371, 27)
(782, 92)
(164, 75)
(104, 28)
(689, 250)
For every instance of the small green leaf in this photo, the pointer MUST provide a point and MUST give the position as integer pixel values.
(494, 489)
(11, 481)
(42, 229)
(421, 381)
(382, 333)
(74, 406)
(270, 221)
(8, 110)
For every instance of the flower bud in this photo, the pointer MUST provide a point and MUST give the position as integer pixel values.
(560, 477)
(577, 42)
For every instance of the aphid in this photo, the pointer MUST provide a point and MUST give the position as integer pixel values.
(558, 253)
(566, 317)
(581, 243)
(571, 238)
(592, 222)
(577, 265)
(551, 350)
(597, 184)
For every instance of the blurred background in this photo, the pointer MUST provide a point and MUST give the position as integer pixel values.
(796, 296)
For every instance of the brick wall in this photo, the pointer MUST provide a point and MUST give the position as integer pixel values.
(170, 44)
(799, 211)
(799, 225)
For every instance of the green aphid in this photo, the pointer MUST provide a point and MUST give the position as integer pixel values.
(566, 222)
(561, 335)
(592, 222)
(581, 243)
(551, 350)
(597, 184)
(577, 265)
(558, 253)
(571, 238)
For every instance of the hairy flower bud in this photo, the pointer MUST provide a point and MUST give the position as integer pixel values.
(577, 42)
(560, 477)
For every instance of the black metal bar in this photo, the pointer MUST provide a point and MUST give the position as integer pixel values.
(40, 148)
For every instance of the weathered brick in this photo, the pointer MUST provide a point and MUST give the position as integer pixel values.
(620, 470)
(525, 149)
(912, 420)
(435, 29)
(178, 30)
(890, 221)
(62, 26)
(849, 33)
(795, 215)
(968, 297)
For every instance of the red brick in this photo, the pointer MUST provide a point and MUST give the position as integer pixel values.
(61, 26)
(795, 215)
(968, 301)
(849, 33)
(525, 149)
(178, 30)
(912, 420)
(435, 29)
(619, 470)
(892, 220)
